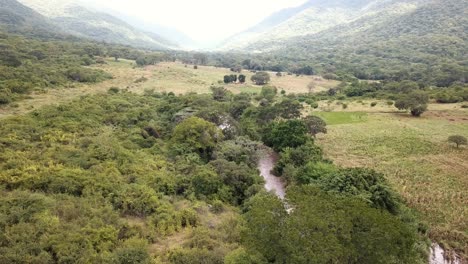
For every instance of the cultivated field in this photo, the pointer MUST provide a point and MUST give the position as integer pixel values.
(413, 153)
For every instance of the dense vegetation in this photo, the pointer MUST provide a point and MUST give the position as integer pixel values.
(28, 64)
(426, 44)
(75, 178)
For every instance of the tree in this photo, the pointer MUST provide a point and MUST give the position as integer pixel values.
(197, 134)
(219, 93)
(306, 70)
(230, 78)
(242, 78)
(289, 109)
(416, 102)
(263, 226)
(326, 228)
(458, 140)
(315, 125)
(261, 78)
(283, 134)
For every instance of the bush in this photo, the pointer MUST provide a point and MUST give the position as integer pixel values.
(5, 98)
(141, 79)
(217, 207)
(373, 104)
(133, 251)
(458, 140)
(261, 78)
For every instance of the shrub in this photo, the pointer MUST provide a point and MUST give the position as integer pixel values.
(141, 79)
(261, 78)
(113, 90)
(373, 104)
(458, 140)
(217, 207)
(5, 98)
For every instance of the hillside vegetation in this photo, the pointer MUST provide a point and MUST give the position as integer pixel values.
(117, 178)
(74, 18)
(424, 41)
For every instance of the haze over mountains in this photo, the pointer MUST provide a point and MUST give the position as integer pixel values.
(315, 24)
(319, 20)
(75, 19)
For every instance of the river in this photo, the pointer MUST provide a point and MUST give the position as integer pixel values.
(275, 184)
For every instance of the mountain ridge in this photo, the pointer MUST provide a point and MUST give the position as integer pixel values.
(83, 21)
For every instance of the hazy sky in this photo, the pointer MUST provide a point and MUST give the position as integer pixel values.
(203, 20)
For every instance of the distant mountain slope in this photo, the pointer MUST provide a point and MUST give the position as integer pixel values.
(311, 17)
(81, 21)
(381, 39)
(17, 18)
(169, 34)
(317, 20)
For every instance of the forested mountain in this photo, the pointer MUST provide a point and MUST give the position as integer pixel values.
(82, 21)
(17, 18)
(311, 17)
(383, 39)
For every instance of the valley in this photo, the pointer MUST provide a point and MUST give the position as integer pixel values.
(164, 77)
(265, 132)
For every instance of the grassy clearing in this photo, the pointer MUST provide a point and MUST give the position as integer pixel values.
(164, 77)
(337, 118)
(415, 156)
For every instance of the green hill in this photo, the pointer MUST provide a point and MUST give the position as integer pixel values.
(19, 19)
(81, 21)
(396, 40)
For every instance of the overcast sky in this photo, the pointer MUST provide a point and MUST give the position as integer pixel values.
(203, 20)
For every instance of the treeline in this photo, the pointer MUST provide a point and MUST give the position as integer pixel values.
(28, 64)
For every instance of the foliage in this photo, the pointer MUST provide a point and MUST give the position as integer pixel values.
(231, 79)
(315, 125)
(458, 140)
(261, 78)
(268, 93)
(242, 78)
(197, 134)
(416, 102)
(334, 229)
(28, 64)
(289, 109)
(282, 134)
(88, 182)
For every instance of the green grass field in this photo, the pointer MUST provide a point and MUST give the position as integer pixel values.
(413, 153)
(338, 118)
